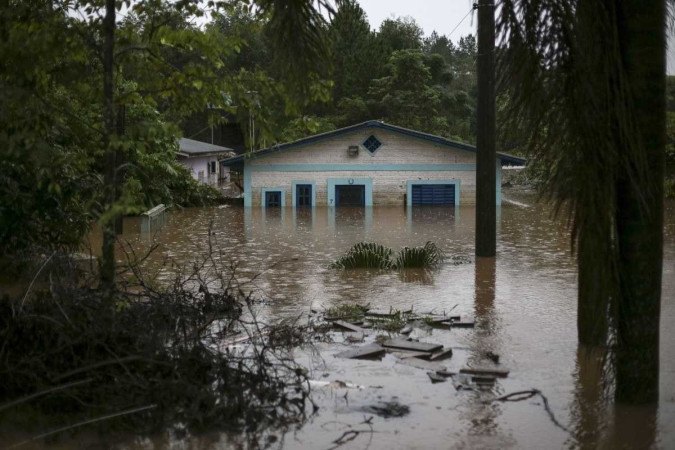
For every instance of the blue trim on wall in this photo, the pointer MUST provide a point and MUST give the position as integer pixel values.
(248, 201)
(294, 191)
(272, 189)
(361, 167)
(409, 185)
(332, 182)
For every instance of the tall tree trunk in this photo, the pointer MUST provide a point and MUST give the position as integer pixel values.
(486, 174)
(596, 279)
(640, 204)
(109, 176)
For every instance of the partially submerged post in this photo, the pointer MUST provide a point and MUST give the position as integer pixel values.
(486, 177)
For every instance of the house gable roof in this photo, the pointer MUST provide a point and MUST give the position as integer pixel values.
(506, 160)
(189, 148)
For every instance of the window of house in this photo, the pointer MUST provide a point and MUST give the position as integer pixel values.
(212, 167)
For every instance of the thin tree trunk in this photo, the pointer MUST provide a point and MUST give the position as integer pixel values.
(109, 178)
(640, 205)
(486, 174)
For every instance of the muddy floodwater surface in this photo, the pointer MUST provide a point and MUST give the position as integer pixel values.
(524, 306)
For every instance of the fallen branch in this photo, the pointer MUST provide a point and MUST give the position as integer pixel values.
(83, 423)
(525, 395)
(45, 392)
(350, 435)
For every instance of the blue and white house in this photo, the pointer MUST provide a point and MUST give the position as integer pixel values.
(371, 163)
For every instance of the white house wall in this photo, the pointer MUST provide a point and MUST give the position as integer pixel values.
(200, 163)
(399, 159)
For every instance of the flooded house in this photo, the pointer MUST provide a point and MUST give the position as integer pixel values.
(370, 163)
(201, 158)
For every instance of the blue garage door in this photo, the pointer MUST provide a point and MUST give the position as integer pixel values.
(433, 194)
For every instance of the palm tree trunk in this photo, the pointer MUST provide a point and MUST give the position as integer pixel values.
(640, 204)
(596, 279)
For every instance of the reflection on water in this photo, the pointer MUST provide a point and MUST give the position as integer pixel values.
(524, 304)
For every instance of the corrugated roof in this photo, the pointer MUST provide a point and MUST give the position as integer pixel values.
(190, 147)
(505, 158)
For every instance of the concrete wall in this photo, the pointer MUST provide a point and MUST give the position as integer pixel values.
(387, 172)
(197, 164)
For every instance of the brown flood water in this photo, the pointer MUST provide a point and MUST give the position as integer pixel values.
(525, 309)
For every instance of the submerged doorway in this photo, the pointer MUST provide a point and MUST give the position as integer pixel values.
(350, 195)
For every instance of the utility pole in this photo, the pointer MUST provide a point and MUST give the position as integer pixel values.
(486, 168)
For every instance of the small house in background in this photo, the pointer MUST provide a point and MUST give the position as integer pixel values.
(202, 159)
(371, 163)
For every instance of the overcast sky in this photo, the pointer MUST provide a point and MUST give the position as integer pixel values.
(443, 16)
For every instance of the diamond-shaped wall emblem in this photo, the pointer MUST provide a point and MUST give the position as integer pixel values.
(372, 144)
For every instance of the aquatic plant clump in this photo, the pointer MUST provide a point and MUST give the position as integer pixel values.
(427, 257)
(348, 312)
(365, 255)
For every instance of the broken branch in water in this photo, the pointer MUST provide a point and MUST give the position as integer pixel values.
(84, 422)
(525, 395)
(350, 435)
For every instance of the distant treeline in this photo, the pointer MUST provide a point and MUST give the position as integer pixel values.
(394, 73)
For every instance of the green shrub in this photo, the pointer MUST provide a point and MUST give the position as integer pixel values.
(365, 255)
(368, 255)
(427, 257)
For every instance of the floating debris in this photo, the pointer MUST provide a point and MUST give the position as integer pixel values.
(388, 409)
(405, 354)
(435, 377)
(446, 373)
(442, 319)
(366, 351)
(422, 364)
(349, 326)
(442, 354)
(466, 323)
(463, 382)
(336, 384)
(355, 337)
(413, 346)
(501, 373)
(492, 357)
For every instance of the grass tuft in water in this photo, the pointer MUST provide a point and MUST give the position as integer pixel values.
(365, 255)
(427, 257)
(347, 312)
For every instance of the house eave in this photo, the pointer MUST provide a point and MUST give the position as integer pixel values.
(505, 159)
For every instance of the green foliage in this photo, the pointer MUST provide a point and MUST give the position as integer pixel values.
(391, 74)
(348, 312)
(406, 97)
(365, 255)
(368, 255)
(153, 347)
(54, 144)
(305, 126)
(352, 50)
(427, 257)
(402, 33)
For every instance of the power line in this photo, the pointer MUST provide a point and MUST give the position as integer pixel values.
(463, 19)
